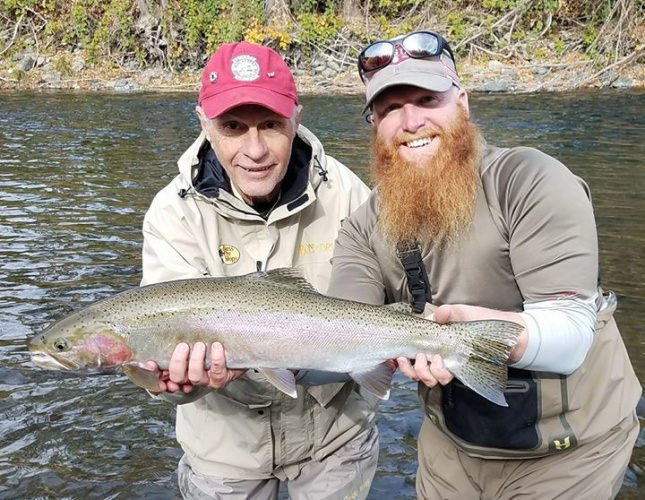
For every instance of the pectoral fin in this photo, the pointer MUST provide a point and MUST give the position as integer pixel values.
(283, 380)
(377, 379)
(148, 379)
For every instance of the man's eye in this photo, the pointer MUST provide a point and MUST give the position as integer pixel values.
(231, 126)
(427, 100)
(276, 125)
(388, 109)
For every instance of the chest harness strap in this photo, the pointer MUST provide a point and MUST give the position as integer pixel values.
(409, 254)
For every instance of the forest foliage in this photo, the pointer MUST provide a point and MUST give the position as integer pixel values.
(178, 34)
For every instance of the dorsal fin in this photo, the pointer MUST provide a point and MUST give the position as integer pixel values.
(289, 277)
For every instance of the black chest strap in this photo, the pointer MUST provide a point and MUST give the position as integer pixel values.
(415, 271)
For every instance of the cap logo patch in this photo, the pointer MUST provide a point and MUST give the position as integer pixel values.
(245, 68)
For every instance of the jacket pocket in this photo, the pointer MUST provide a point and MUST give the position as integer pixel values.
(346, 415)
(483, 423)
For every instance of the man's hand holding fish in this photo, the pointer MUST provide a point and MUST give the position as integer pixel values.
(186, 369)
(432, 371)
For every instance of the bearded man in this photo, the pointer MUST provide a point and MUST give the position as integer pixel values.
(489, 233)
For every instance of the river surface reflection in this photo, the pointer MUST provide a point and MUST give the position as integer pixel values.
(77, 172)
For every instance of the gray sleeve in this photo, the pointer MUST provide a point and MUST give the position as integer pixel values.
(551, 227)
(356, 272)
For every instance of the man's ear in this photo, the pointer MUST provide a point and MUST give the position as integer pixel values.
(201, 116)
(298, 114)
(462, 98)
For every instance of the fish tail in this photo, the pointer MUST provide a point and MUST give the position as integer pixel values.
(488, 347)
(491, 340)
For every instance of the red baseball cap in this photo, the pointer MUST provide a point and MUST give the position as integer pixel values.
(244, 73)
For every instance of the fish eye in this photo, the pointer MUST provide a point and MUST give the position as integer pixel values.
(61, 345)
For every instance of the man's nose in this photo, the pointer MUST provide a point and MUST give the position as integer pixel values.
(254, 145)
(412, 118)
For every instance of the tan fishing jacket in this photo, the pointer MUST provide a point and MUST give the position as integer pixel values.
(196, 227)
(533, 239)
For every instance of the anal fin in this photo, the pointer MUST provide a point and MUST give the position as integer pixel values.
(376, 379)
(485, 378)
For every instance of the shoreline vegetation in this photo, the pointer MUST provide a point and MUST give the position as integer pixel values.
(162, 45)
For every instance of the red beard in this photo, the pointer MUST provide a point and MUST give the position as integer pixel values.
(432, 203)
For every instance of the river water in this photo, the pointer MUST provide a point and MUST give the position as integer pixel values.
(77, 172)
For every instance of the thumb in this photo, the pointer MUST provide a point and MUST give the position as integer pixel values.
(442, 314)
(218, 361)
(151, 366)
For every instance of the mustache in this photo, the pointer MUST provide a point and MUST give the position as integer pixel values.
(426, 132)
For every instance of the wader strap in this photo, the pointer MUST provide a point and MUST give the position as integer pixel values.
(415, 272)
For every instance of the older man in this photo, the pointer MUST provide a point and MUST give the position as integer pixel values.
(485, 232)
(256, 191)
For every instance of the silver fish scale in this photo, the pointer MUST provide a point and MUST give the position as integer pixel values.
(168, 304)
(250, 294)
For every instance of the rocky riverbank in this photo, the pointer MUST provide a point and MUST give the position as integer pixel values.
(70, 71)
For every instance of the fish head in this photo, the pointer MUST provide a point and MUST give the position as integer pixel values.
(80, 344)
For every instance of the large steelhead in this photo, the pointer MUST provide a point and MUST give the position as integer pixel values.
(273, 322)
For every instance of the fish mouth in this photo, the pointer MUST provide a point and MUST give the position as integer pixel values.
(49, 362)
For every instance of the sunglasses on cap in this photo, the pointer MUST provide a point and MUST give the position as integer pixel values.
(417, 45)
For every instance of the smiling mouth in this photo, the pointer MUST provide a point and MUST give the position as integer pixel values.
(418, 143)
(255, 169)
